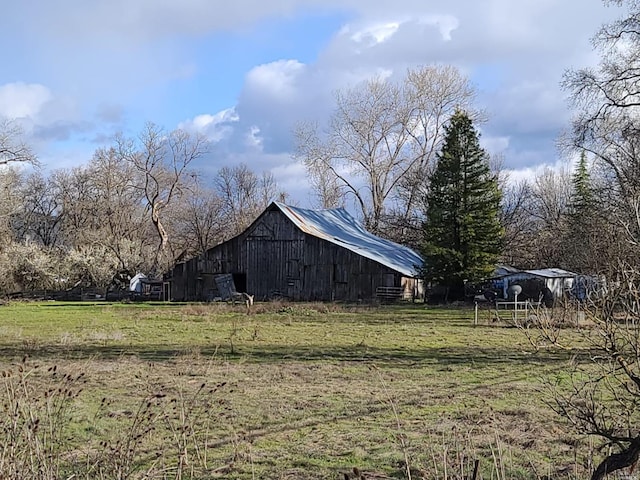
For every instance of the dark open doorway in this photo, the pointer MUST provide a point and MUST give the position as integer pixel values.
(240, 281)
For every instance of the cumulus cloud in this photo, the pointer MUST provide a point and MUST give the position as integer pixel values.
(215, 127)
(117, 59)
(42, 116)
(276, 80)
(445, 23)
(520, 90)
(21, 100)
(494, 145)
(518, 175)
(254, 141)
(272, 99)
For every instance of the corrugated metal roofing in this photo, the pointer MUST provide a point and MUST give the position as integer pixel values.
(552, 273)
(339, 227)
(503, 270)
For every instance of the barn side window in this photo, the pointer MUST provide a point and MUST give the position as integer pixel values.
(340, 273)
(293, 268)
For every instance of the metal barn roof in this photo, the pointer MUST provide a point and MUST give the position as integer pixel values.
(339, 227)
(552, 273)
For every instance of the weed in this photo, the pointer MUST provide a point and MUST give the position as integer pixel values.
(36, 409)
(166, 435)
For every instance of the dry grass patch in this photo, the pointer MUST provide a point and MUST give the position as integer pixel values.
(306, 390)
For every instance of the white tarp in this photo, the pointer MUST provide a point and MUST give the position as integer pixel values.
(135, 284)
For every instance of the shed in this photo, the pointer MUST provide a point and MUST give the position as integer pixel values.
(302, 254)
(557, 281)
(142, 287)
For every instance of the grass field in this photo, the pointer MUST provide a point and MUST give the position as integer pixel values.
(291, 391)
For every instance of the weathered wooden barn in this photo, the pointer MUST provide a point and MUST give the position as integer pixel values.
(302, 254)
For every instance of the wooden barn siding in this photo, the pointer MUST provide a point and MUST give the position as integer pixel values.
(332, 272)
(193, 279)
(272, 251)
(278, 258)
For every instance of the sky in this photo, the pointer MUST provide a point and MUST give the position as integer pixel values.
(75, 73)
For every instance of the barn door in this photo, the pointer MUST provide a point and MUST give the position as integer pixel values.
(293, 276)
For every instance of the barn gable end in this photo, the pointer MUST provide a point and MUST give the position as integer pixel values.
(285, 254)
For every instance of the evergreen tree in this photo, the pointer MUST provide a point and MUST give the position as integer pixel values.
(588, 242)
(462, 233)
(582, 197)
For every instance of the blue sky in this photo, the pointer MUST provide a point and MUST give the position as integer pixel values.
(75, 72)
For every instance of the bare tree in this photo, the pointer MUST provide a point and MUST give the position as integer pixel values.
(80, 203)
(381, 141)
(542, 228)
(161, 160)
(547, 207)
(41, 214)
(197, 220)
(603, 399)
(544, 209)
(244, 195)
(13, 148)
(11, 185)
(606, 101)
(102, 212)
(518, 227)
(329, 190)
(599, 395)
(124, 230)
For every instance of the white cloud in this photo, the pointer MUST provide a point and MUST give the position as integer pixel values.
(254, 140)
(21, 100)
(132, 54)
(288, 174)
(215, 127)
(495, 145)
(446, 23)
(374, 34)
(518, 175)
(277, 79)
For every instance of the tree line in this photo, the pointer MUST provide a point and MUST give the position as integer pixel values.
(137, 206)
(392, 150)
(388, 152)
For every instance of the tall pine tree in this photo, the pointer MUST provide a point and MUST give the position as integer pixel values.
(588, 242)
(462, 233)
(582, 195)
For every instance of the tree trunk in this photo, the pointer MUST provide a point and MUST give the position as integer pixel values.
(618, 461)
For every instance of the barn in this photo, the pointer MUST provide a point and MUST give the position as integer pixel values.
(302, 254)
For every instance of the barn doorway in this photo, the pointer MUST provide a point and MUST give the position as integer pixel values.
(240, 281)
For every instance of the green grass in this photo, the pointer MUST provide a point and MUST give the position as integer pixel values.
(311, 390)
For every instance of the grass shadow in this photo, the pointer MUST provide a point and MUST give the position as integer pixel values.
(396, 356)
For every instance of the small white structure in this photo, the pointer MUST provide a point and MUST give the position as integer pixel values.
(558, 281)
(142, 287)
(135, 284)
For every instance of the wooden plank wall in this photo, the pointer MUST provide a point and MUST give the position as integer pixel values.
(279, 259)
